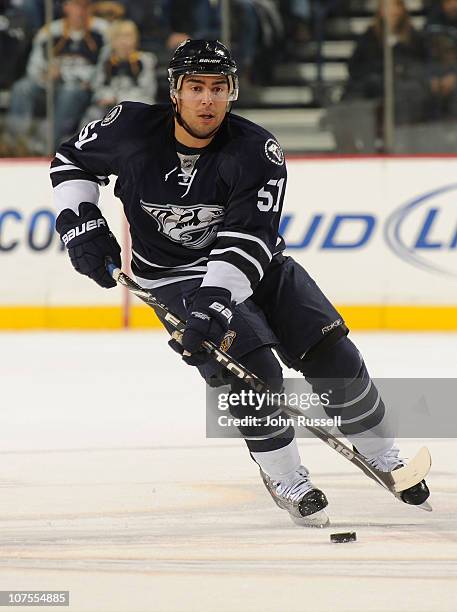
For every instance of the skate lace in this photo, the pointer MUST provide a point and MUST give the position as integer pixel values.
(296, 487)
(389, 461)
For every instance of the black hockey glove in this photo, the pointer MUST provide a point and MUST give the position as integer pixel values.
(209, 319)
(89, 242)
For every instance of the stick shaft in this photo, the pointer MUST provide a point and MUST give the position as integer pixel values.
(385, 479)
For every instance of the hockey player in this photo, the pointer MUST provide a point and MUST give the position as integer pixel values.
(202, 190)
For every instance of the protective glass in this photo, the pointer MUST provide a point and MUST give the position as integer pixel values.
(194, 92)
(224, 91)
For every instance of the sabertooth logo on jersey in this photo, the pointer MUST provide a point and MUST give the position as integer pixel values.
(194, 227)
(274, 152)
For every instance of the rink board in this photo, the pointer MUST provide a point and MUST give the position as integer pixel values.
(379, 235)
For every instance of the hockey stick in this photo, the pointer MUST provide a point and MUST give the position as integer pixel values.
(395, 482)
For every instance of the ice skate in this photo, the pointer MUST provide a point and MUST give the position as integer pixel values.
(297, 494)
(389, 461)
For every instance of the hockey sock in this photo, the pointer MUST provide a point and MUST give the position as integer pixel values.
(261, 434)
(341, 373)
(279, 463)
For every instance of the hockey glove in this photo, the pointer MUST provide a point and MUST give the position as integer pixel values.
(209, 318)
(89, 242)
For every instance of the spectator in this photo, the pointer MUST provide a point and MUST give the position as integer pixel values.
(244, 28)
(256, 28)
(127, 74)
(207, 19)
(108, 10)
(34, 11)
(366, 66)
(444, 13)
(441, 38)
(151, 21)
(179, 15)
(77, 41)
(270, 40)
(14, 44)
(297, 18)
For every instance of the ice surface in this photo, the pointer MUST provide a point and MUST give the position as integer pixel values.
(110, 489)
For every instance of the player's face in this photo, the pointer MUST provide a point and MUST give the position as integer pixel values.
(202, 103)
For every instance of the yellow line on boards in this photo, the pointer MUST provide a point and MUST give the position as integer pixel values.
(60, 317)
(360, 317)
(400, 318)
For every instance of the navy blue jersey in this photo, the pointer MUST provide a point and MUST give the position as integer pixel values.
(210, 213)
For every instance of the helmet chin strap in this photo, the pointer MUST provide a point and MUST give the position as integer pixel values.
(187, 127)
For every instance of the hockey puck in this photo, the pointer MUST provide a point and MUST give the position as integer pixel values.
(349, 536)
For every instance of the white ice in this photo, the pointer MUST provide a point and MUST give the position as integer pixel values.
(110, 489)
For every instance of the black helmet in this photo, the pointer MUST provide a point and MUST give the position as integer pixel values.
(204, 57)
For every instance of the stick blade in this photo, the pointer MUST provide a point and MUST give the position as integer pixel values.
(411, 474)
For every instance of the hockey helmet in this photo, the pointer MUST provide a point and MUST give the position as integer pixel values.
(202, 57)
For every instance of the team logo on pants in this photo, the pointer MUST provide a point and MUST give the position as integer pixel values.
(193, 227)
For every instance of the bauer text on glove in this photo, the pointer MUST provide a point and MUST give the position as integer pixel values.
(89, 242)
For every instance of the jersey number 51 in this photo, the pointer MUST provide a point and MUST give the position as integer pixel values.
(267, 195)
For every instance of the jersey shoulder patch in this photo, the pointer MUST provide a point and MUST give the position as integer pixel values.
(111, 115)
(132, 116)
(250, 137)
(256, 151)
(273, 152)
(124, 130)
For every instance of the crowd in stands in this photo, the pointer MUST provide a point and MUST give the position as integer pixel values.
(97, 53)
(425, 63)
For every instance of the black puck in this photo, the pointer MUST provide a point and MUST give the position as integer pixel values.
(338, 538)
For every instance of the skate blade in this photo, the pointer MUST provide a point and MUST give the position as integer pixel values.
(318, 519)
(425, 506)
